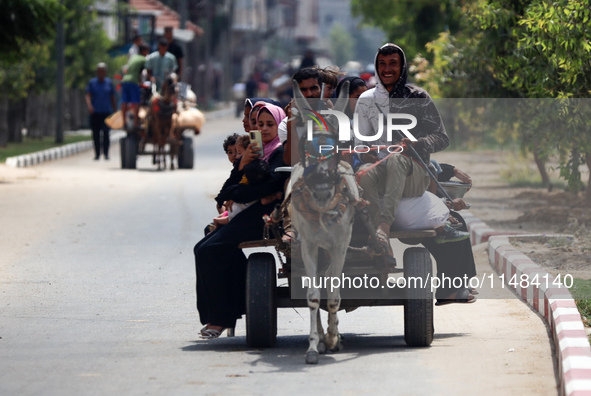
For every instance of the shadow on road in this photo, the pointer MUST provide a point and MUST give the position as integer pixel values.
(288, 353)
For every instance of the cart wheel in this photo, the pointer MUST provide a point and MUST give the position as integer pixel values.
(261, 308)
(418, 308)
(186, 153)
(128, 152)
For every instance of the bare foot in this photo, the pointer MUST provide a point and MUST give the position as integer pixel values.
(218, 221)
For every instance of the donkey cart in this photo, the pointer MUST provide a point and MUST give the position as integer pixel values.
(412, 290)
(167, 127)
(135, 142)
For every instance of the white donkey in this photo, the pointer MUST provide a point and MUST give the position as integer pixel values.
(324, 194)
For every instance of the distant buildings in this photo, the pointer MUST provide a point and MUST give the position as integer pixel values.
(226, 41)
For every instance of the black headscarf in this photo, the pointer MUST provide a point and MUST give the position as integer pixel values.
(250, 102)
(354, 83)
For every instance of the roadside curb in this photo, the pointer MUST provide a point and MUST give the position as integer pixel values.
(554, 303)
(36, 158)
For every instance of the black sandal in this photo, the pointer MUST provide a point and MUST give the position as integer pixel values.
(463, 296)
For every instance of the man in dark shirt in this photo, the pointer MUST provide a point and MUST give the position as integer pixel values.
(174, 49)
(101, 102)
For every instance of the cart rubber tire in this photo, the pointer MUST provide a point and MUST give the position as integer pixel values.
(418, 308)
(128, 152)
(261, 306)
(186, 153)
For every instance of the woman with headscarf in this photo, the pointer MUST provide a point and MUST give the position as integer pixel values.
(248, 105)
(219, 264)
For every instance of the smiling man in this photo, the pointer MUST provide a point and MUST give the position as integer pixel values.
(396, 176)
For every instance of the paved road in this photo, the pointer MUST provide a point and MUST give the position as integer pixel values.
(97, 297)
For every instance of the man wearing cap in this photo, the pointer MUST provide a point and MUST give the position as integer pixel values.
(160, 63)
(174, 49)
(101, 102)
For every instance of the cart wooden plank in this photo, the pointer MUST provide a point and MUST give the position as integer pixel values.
(260, 243)
(413, 234)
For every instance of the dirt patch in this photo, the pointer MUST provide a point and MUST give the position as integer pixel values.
(529, 210)
(559, 256)
(560, 209)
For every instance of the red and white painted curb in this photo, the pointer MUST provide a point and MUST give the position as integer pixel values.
(554, 303)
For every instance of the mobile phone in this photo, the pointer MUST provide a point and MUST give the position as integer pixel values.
(255, 136)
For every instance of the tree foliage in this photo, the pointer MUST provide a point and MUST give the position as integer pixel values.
(510, 49)
(547, 56)
(33, 68)
(551, 58)
(409, 23)
(341, 43)
(17, 78)
(86, 42)
(25, 22)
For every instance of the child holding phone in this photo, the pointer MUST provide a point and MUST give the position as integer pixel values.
(255, 172)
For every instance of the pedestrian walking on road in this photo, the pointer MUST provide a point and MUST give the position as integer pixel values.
(101, 102)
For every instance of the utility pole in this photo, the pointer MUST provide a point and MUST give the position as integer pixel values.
(183, 10)
(208, 33)
(228, 53)
(60, 43)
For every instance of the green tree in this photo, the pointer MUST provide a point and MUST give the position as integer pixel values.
(529, 49)
(409, 23)
(505, 49)
(86, 42)
(30, 67)
(551, 59)
(342, 44)
(23, 22)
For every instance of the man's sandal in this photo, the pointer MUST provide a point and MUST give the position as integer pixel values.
(462, 296)
(384, 240)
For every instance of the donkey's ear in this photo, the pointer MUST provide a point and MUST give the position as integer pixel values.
(300, 100)
(343, 100)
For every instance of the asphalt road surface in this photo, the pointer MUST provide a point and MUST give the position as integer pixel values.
(97, 296)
